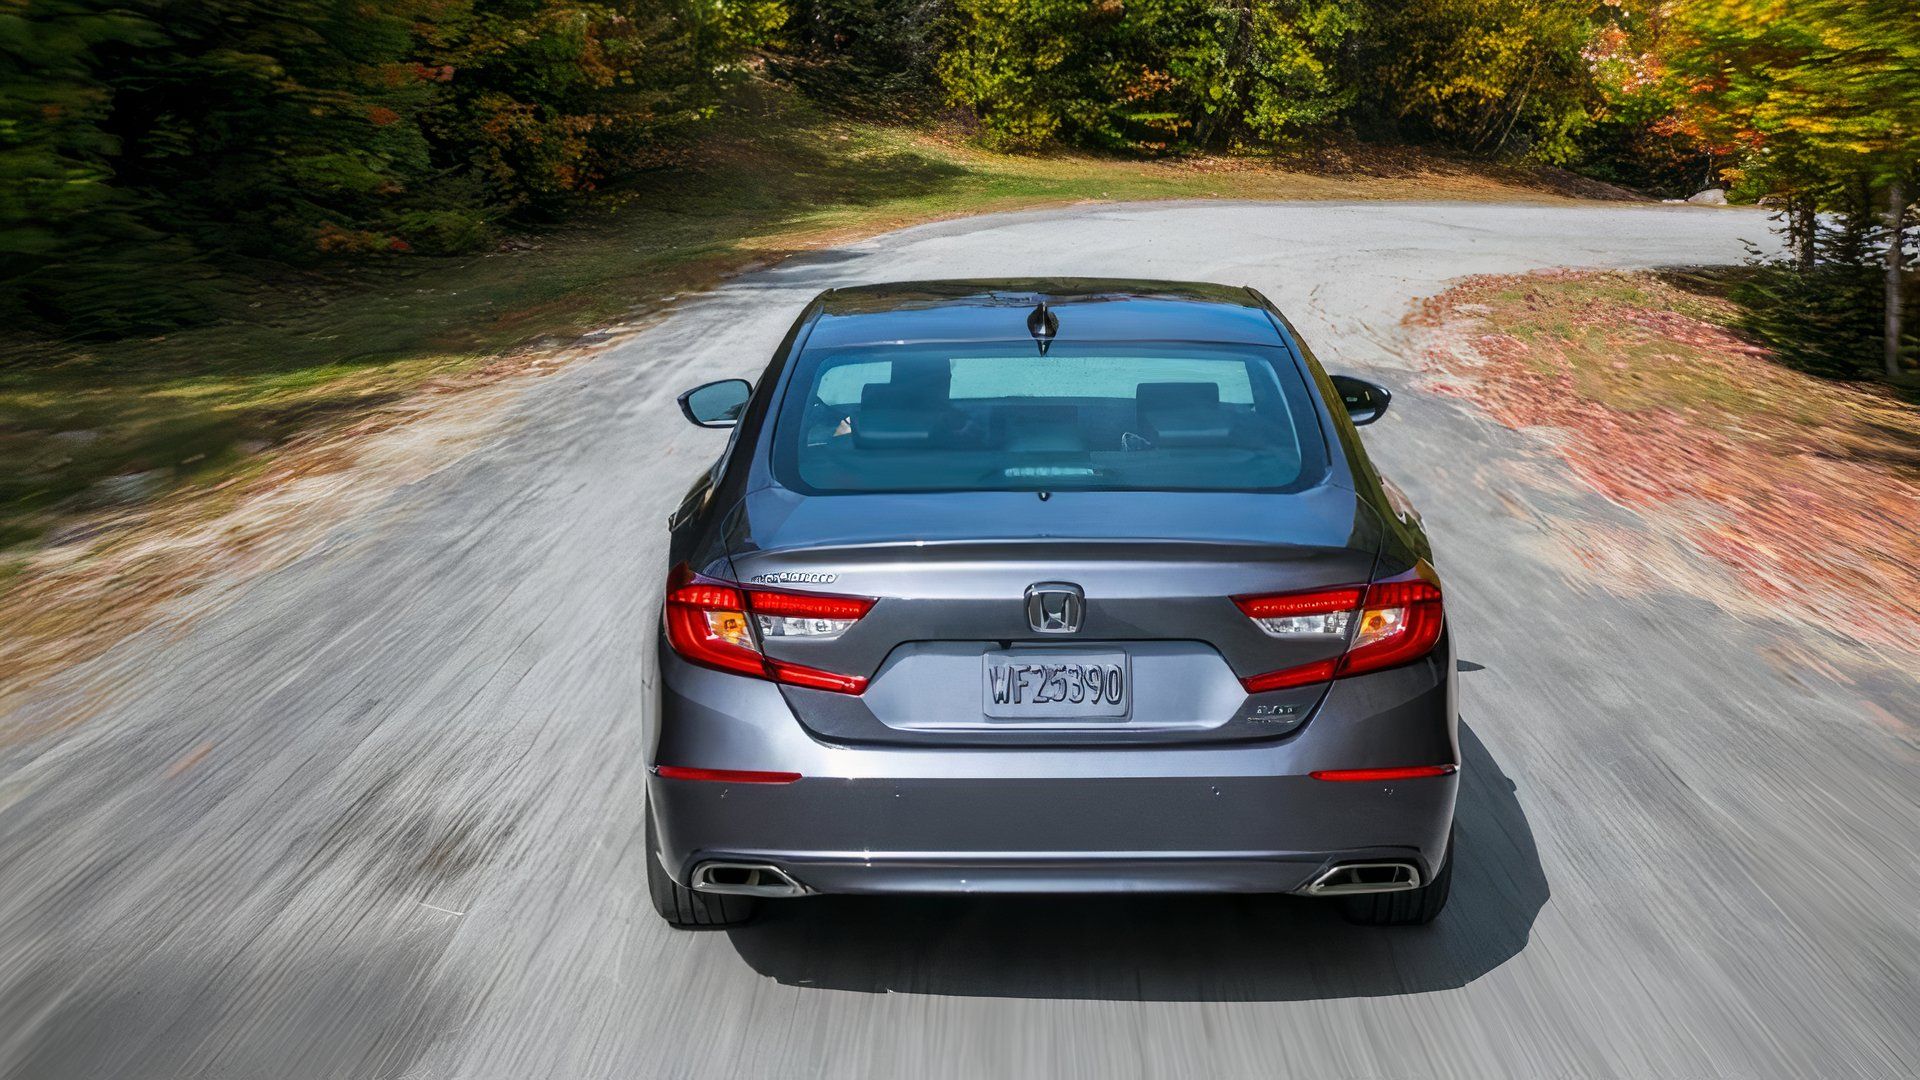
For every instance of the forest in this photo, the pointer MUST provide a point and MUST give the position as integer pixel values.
(153, 152)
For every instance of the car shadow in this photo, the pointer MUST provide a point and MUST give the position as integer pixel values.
(1172, 948)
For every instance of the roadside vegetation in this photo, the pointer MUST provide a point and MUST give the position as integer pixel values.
(1817, 106)
(156, 159)
(1666, 400)
(235, 225)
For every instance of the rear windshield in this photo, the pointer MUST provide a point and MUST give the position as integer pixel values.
(1001, 417)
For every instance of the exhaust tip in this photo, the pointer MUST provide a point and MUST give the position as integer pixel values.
(745, 879)
(1353, 879)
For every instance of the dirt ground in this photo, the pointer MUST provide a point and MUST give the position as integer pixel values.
(1805, 491)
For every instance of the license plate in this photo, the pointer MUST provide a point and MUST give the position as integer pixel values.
(1051, 684)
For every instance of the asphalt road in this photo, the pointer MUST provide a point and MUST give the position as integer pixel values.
(375, 814)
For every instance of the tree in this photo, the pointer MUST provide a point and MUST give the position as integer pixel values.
(69, 238)
(1268, 69)
(1637, 135)
(1823, 98)
(1493, 76)
(874, 56)
(1089, 72)
(551, 98)
(1147, 75)
(146, 145)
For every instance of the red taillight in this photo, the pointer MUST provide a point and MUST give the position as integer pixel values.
(1400, 624)
(1411, 772)
(726, 776)
(707, 624)
(1385, 624)
(806, 605)
(711, 623)
(1288, 605)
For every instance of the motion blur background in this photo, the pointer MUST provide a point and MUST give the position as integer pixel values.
(338, 341)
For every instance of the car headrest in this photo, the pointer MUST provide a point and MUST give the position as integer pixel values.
(1177, 395)
(930, 378)
(1183, 414)
(894, 415)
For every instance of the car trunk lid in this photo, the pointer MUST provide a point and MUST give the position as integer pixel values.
(1154, 573)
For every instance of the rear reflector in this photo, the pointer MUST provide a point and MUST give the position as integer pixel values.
(814, 678)
(725, 776)
(1305, 675)
(1411, 772)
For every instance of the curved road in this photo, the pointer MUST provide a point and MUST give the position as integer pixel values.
(375, 814)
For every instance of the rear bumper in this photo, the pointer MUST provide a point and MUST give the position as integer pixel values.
(1139, 835)
(1243, 817)
(1070, 873)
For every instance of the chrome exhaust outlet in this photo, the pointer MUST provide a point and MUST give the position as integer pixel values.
(745, 879)
(1352, 879)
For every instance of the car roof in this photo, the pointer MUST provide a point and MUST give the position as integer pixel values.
(1088, 309)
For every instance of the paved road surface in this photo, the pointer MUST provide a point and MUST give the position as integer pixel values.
(376, 814)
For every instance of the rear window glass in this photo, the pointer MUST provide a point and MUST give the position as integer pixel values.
(986, 417)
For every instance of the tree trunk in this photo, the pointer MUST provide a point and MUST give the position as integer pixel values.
(1208, 133)
(1896, 271)
(1806, 226)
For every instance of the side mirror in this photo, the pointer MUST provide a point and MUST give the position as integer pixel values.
(716, 404)
(1365, 401)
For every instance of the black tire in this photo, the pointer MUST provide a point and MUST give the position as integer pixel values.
(685, 909)
(1415, 907)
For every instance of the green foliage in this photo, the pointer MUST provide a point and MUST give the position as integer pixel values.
(443, 232)
(1497, 76)
(556, 97)
(1827, 318)
(59, 209)
(54, 152)
(1812, 96)
(1827, 86)
(866, 56)
(1825, 322)
(1146, 75)
(1267, 69)
(144, 143)
(1494, 76)
(1090, 72)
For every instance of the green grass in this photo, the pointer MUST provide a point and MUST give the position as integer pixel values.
(193, 407)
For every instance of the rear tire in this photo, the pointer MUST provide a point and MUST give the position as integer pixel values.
(1414, 907)
(683, 908)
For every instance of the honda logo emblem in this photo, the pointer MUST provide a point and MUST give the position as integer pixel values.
(1055, 607)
